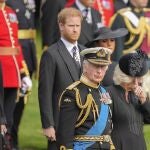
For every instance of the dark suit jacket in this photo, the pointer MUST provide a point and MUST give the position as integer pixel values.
(57, 71)
(119, 4)
(87, 30)
(49, 12)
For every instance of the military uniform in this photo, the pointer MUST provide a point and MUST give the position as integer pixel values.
(137, 21)
(25, 11)
(13, 64)
(85, 121)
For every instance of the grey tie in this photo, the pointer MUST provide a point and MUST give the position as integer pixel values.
(75, 56)
(85, 13)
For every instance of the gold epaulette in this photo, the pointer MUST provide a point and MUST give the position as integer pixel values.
(73, 85)
(70, 87)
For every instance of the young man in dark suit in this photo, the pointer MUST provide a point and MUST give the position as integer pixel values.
(60, 66)
(91, 20)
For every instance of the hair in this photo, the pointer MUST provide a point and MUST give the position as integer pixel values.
(120, 77)
(68, 12)
(146, 83)
(85, 62)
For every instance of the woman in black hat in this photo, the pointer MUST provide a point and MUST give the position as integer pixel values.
(105, 37)
(131, 106)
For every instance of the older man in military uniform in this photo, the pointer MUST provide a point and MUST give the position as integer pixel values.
(85, 116)
(136, 18)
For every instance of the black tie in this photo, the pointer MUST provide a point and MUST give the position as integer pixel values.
(76, 56)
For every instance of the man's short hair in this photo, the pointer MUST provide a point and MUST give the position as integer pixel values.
(68, 12)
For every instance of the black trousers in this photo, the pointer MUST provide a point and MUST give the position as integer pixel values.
(10, 96)
(18, 113)
(52, 146)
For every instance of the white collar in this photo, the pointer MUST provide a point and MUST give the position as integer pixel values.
(81, 6)
(69, 45)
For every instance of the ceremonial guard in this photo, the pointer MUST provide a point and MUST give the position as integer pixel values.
(14, 69)
(25, 11)
(136, 18)
(85, 115)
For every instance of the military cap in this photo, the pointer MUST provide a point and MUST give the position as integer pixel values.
(134, 64)
(97, 55)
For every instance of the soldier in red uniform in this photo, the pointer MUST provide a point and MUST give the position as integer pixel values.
(14, 70)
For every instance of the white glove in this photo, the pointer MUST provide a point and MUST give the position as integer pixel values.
(26, 84)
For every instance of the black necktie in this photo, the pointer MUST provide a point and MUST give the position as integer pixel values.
(76, 56)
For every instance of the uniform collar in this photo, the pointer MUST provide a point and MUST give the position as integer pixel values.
(87, 82)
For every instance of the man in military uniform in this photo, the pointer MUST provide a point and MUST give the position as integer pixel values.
(25, 11)
(85, 116)
(136, 18)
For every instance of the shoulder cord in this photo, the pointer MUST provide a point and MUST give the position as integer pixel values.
(85, 107)
(140, 30)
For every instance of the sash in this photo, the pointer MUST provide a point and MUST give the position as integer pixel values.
(97, 129)
(132, 17)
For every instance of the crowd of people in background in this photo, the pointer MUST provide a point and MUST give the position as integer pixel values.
(93, 85)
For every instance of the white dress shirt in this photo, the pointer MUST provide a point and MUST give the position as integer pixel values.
(70, 46)
(82, 8)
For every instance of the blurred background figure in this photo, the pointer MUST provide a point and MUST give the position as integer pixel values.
(131, 106)
(136, 19)
(105, 37)
(105, 8)
(91, 19)
(14, 69)
(25, 11)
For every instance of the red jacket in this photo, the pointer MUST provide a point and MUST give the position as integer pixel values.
(106, 9)
(11, 64)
